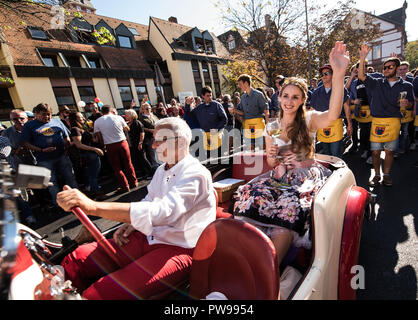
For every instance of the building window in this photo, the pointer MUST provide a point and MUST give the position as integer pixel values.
(141, 91)
(214, 70)
(377, 52)
(126, 96)
(37, 34)
(94, 63)
(73, 61)
(198, 88)
(87, 94)
(199, 44)
(134, 31)
(50, 61)
(209, 46)
(195, 66)
(205, 68)
(64, 96)
(231, 44)
(125, 42)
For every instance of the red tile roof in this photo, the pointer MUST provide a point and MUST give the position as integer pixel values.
(23, 47)
(172, 31)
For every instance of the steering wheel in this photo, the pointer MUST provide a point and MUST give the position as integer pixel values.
(98, 236)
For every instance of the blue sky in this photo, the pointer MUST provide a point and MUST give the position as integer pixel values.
(202, 13)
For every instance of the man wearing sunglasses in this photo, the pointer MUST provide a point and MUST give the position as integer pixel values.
(389, 94)
(332, 136)
(160, 232)
(20, 154)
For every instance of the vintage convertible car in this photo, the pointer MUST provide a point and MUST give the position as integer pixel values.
(231, 257)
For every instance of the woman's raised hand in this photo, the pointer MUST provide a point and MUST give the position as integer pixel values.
(339, 58)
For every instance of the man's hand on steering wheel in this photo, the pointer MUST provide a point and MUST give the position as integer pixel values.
(70, 198)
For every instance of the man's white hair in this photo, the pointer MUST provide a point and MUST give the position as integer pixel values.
(179, 127)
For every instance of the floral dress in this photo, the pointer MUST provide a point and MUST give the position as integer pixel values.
(284, 202)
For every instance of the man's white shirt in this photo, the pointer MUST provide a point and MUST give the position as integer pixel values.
(180, 204)
(111, 127)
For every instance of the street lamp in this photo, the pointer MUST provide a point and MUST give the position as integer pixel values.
(309, 44)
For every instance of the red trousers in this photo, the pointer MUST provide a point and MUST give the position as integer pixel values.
(119, 156)
(148, 269)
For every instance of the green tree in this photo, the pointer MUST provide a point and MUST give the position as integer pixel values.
(411, 54)
(236, 67)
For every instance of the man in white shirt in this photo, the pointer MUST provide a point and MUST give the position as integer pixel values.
(160, 232)
(110, 129)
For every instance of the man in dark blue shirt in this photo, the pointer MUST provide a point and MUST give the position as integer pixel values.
(330, 137)
(389, 95)
(48, 139)
(212, 119)
(210, 114)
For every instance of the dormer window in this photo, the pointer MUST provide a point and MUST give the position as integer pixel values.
(208, 41)
(73, 61)
(125, 37)
(209, 45)
(200, 46)
(134, 31)
(231, 44)
(94, 63)
(124, 42)
(50, 61)
(37, 33)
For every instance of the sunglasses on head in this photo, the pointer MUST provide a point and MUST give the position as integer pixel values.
(389, 67)
(326, 73)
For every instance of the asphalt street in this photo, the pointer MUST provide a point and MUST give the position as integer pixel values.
(389, 243)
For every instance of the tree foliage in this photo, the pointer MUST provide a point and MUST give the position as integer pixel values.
(267, 24)
(341, 24)
(411, 54)
(277, 37)
(233, 69)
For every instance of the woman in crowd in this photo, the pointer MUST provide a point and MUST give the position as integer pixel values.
(136, 138)
(84, 141)
(161, 112)
(280, 204)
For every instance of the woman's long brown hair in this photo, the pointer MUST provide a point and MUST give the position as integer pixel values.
(74, 121)
(298, 132)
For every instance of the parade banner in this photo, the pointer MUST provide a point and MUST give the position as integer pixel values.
(254, 128)
(332, 133)
(385, 129)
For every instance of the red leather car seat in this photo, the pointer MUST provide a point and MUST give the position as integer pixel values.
(236, 259)
(248, 165)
